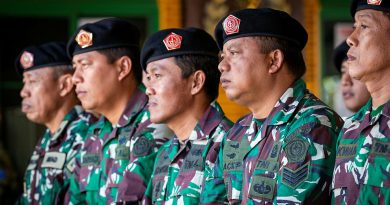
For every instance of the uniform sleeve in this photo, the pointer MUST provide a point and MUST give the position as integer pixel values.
(214, 190)
(138, 173)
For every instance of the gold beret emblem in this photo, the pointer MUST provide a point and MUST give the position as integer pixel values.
(84, 39)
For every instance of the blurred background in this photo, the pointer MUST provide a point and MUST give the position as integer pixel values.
(29, 22)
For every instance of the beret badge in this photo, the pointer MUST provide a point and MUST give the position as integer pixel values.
(84, 39)
(374, 2)
(27, 60)
(231, 25)
(172, 41)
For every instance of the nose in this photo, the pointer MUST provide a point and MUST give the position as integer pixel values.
(24, 92)
(76, 78)
(150, 91)
(352, 40)
(223, 66)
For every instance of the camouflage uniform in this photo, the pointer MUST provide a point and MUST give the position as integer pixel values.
(286, 158)
(180, 168)
(47, 177)
(362, 170)
(109, 149)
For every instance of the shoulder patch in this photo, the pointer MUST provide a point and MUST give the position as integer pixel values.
(143, 146)
(296, 149)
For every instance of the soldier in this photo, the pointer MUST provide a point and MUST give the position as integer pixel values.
(49, 99)
(354, 92)
(361, 174)
(182, 85)
(108, 80)
(283, 152)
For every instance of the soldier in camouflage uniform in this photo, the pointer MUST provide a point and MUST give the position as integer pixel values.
(284, 151)
(49, 99)
(182, 85)
(108, 80)
(362, 171)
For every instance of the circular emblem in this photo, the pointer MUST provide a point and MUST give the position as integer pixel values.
(142, 147)
(231, 25)
(296, 150)
(27, 60)
(84, 39)
(172, 41)
(374, 2)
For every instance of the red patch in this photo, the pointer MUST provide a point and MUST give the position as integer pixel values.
(172, 41)
(374, 2)
(27, 60)
(231, 25)
(84, 39)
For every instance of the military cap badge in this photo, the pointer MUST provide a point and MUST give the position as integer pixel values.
(374, 2)
(172, 41)
(27, 60)
(84, 38)
(231, 25)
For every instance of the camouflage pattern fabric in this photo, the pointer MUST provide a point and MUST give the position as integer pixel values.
(287, 158)
(180, 167)
(109, 149)
(362, 171)
(47, 177)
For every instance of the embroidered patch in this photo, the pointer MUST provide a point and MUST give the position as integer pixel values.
(293, 178)
(194, 159)
(274, 153)
(231, 25)
(380, 148)
(262, 187)
(54, 160)
(346, 151)
(296, 149)
(143, 146)
(84, 39)
(267, 165)
(90, 160)
(172, 41)
(27, 60)
(124, 136)
(122, 152)
(233, 155)
(163, 165)
(374, 2)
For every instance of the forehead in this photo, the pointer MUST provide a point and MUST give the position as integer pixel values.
(165, 64)
(240, 42)
(40, 72)
(91, 55)
(371, 15)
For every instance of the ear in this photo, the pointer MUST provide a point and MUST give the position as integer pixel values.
(276, 61)
(124, 65)
(65, 84)
(198, 81)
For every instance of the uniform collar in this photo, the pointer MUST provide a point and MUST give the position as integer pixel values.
(72, 115)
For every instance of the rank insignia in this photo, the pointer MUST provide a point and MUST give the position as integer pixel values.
(27, 60)
(296, 149)
(84, 39)
(293, 178)
(231, 25)
(374, 2)
(172, 41)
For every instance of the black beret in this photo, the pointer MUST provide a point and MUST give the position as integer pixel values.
(260, 22)
(45, 55)
(175, 42)
(380, 5)
(107, 33)
(340, 55)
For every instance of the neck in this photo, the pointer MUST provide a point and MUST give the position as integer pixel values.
(113, 111)
(379, 89)
(184, 123)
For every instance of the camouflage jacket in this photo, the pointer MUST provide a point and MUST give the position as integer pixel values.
(109, 149)
(51, 165)
(286, 158)
(362, 171)
(180, 168)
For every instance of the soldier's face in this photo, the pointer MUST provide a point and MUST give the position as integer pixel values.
(242, 70)
(355, 93)
(95, 79)
(369, 45)
(40, 95)
(169, 94)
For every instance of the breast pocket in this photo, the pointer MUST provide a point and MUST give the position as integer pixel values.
(344, 185)
(89, 178)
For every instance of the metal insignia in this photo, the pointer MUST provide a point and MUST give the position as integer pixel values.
(172, 41)
(374, 2)
(27, 60)
(84, 38)
(296, 149)
(231, 25)
(293, 178)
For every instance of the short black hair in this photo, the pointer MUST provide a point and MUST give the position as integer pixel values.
(208, 64)
(114, 54)
(292, 54)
